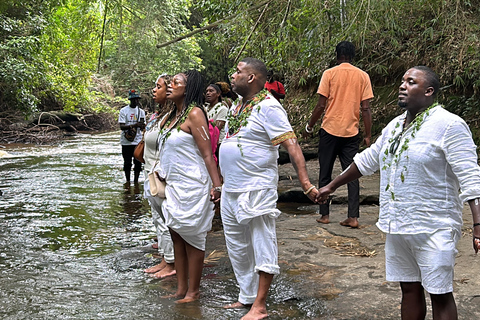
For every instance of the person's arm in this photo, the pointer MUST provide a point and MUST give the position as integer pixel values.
(317, 113)
(220, 124)
(367, 121)
(475, 208)
(298, 162)
(350, 174)
(196, 124)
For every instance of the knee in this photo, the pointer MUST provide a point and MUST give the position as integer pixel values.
(411, 288)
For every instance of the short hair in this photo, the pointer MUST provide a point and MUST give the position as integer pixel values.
(256, 65)
(194, 88)
(346, 49)
(432, 78)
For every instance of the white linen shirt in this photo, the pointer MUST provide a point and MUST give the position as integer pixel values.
(440, 172)
(248, 159)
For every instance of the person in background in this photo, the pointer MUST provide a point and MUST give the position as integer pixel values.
(132, 121)
(192, 181)
(343, 91)
(275, 87)
(228, 96)
(216, 109)
(256, 126)
(151, 153)
(428, 169)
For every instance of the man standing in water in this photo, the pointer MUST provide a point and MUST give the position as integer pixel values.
(256, 126)
(343, 90)
(428, 168)
(132, 122)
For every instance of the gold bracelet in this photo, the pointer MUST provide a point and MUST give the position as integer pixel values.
(306, 192)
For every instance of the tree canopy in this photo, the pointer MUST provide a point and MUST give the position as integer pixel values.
(79, 54)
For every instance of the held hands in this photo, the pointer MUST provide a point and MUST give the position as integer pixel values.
(323, 194)
(215, 195)
(476, 237)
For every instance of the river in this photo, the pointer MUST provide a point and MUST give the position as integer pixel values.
(74, 241)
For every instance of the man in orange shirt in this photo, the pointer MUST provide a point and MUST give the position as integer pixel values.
(343, 91)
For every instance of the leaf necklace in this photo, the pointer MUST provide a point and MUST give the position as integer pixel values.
(394, 141)
(238, 118)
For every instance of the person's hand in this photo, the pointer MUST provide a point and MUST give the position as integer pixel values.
(312, 195)
(366, 141)
(476, 238)
(215, 195)
(323, 194)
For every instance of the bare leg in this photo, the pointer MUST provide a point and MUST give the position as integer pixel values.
(413, 301)
(444, 307)
(195, 267)
(181, 264)
(259, 307)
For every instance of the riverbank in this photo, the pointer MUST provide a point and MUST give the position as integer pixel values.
(344, 267)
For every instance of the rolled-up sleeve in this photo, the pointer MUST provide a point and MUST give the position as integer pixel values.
(368, 161)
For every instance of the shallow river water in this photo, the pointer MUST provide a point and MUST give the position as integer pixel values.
(74, 241)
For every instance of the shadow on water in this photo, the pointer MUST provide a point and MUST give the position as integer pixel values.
(74, 240)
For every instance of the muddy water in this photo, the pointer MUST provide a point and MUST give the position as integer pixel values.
(74, 241)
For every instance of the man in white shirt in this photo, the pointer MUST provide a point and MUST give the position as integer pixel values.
(131, 121)
(256, 126)
(428, 168)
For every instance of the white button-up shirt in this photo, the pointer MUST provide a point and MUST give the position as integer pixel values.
(423, 187)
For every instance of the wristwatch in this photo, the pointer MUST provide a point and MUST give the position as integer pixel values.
(217, 189)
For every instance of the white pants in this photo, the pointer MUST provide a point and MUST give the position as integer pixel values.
(165, 243)
(251, 243)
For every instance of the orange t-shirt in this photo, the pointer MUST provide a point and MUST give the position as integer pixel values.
(345, 87)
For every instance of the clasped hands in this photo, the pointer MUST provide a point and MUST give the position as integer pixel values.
(320, 195)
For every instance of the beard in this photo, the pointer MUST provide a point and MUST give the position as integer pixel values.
(402, 104)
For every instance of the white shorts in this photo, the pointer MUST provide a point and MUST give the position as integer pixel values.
(425, 258)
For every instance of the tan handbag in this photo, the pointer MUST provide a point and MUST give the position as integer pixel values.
(157, 185)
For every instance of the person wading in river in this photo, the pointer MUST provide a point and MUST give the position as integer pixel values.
(255, 128)
(132, 122)
(151, 152)
(428, 168)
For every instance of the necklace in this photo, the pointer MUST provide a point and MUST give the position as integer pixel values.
(238, 118)
(391, 151)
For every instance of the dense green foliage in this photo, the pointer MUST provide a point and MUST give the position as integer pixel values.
(76, 54)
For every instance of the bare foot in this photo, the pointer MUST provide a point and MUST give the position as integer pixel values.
(175, 295)
(324, 219)
(156, 268)
(236, 305)
(256, 313)
(189, 298)
(350, 222)
(168, 271)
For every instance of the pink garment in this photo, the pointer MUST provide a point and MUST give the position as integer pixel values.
(214, 136)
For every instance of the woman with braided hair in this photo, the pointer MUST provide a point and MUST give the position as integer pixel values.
(152, 132)
(187, 165)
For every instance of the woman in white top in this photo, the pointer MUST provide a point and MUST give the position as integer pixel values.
(189, 169)
(151, 152)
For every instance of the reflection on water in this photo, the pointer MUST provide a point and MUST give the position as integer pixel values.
(74, 241)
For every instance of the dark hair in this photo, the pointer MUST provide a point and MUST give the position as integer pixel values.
(432, 78)
(193, 89)
(345, 49)
(217, 88)
(256, 65)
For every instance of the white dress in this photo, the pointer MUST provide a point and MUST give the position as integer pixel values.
(187, 208)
